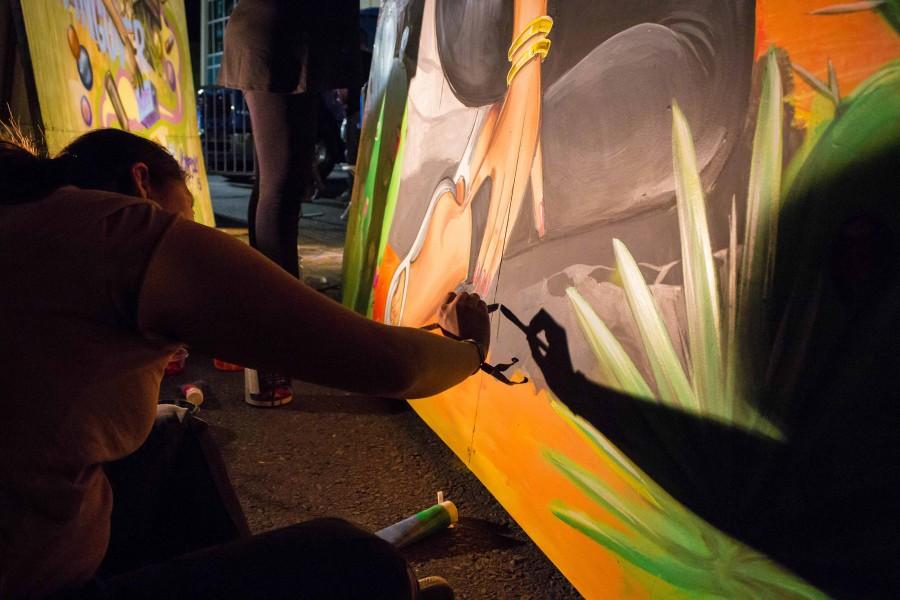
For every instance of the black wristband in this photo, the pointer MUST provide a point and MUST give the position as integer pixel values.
(481, 356)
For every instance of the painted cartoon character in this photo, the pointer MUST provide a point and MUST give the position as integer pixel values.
(566, 109)
(509, 131)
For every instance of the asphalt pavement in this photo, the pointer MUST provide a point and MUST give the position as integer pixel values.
(369, 460)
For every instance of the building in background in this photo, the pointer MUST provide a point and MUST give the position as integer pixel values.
(72, 67)
(225, 127)
(213, 18)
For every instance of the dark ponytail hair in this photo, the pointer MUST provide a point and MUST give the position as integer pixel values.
(100, 159)
(25, 175)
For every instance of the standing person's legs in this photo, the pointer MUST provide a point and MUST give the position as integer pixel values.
(254, 202)
(284, 133)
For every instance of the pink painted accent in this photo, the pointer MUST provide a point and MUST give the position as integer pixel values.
(539, 224)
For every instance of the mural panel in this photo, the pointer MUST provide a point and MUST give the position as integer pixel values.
(686, 216)
(118, 63)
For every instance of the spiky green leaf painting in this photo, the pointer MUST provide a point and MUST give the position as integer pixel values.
(654, 532)
(727, 354)
(693, 353)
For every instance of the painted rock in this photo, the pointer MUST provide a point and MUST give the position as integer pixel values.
(74, 45)
(84, 68)
(170, 74)
(86, 113)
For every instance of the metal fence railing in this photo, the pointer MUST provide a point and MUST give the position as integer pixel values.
(225, 131)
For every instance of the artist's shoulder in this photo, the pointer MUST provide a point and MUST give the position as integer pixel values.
(80, 213)
(94, 204)
(107, 226)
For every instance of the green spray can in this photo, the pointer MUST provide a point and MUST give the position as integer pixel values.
(421, 525)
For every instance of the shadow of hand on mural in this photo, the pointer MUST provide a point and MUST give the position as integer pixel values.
(782, 498)
(670, 445)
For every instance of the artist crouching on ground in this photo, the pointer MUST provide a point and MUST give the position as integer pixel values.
(103, 277)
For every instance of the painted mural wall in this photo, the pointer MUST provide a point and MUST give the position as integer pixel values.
(118, 63)
(687, 214)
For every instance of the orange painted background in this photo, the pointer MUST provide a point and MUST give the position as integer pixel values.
(857, 44)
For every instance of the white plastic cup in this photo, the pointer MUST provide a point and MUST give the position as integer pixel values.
(251, 384)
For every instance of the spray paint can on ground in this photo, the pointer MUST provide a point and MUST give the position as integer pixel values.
(421, 525)
(193, 393)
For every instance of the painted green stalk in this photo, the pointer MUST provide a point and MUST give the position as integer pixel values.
(731, 302)
(360, 217)
(648, 521)
(747, 364)
(391, 202)
(655, 533)
(607, 451)
(657, 563)
(672, 384)
(701, 292)
(617, 367)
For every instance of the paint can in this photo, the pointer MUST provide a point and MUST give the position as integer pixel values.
(420, 525)
(193, 393)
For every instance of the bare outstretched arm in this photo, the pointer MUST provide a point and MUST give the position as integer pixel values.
(210, 291)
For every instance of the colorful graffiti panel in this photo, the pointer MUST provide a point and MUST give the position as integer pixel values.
(123, 64)
(686, 216)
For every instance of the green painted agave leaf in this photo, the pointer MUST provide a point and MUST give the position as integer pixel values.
(747, 364)
(868, 121)
(360, 216)
(598, 491)
(671, 382)
(617, 367)
(701, 291)
(746, 417)
(731, 304)
(675, 535)
(393, 192)
(661, 565)
(736, 571)
(884, 80)
(763, 578)
(611, 455)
